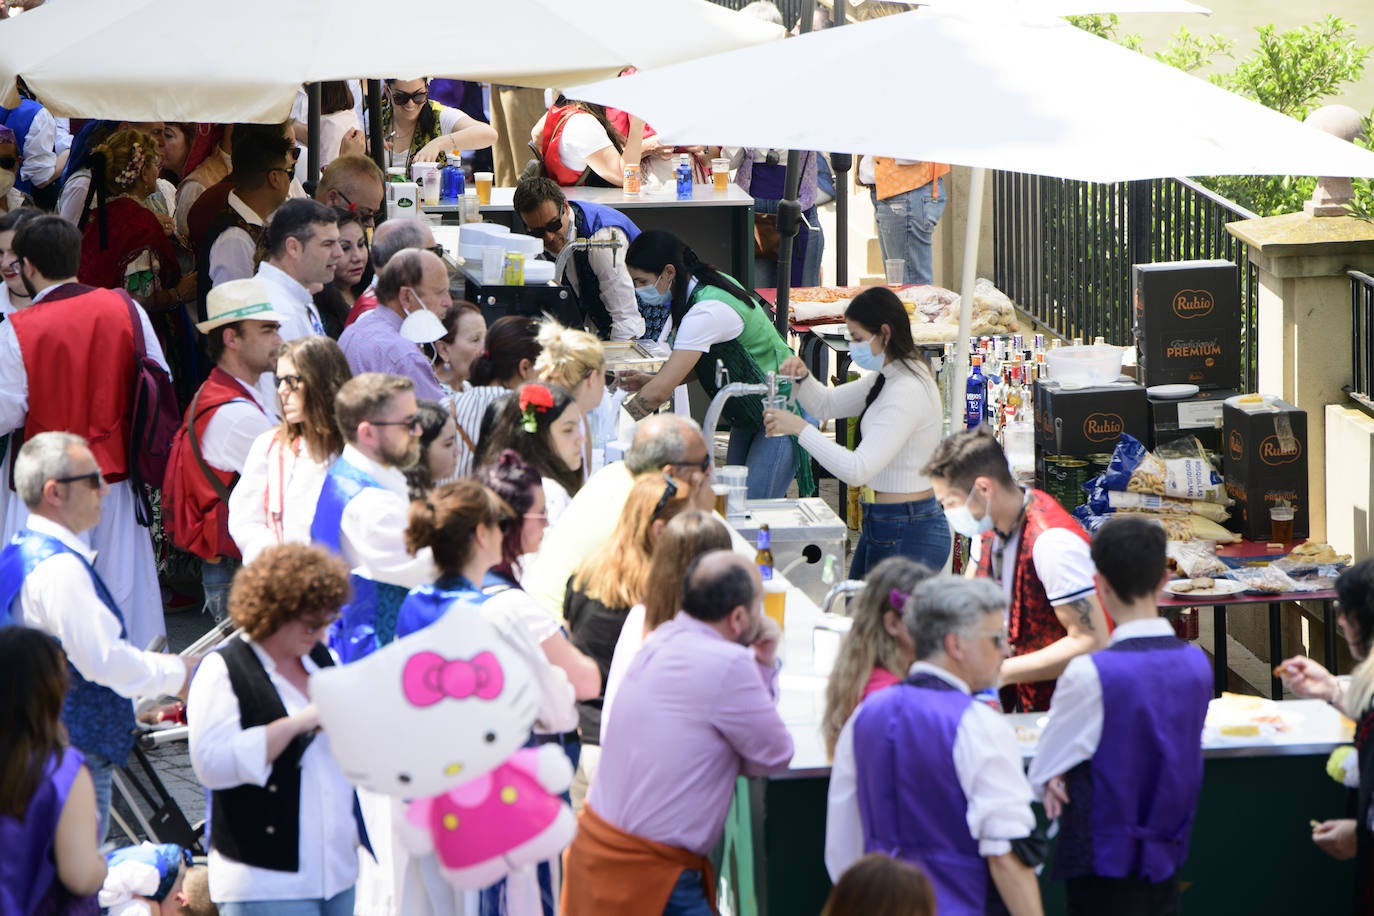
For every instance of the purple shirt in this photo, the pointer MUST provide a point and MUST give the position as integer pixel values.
(693, 713)
(374, 343)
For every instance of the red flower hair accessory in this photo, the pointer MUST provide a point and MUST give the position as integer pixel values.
(534, 398)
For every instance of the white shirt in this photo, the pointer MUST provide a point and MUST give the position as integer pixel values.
(40, 149)
(617, 289)
(372, 531)
(987, 762)
(231, 257)
(1063, 563)
(582, 136)
(234, 427)
(59, 598)
(1074, 729)
(450, 120)
(899, 431)
(274, 500)
(556, 500)
(226, 755)
(710, 322)
(290, 298)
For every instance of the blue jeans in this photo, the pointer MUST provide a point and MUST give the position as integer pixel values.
(215, 579)
(769, 459)
(906, 226)
(102, 774)
(341, 904)
(688, 899)
(915, 530)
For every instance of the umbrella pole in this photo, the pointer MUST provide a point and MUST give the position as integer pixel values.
(966, 283)
(374, 125)
(841, 163)
(789, 210)
(312, 119)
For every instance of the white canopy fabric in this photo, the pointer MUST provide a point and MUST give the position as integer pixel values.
(203, 60)
(1030, 96)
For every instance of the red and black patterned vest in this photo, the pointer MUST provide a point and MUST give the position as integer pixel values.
(1032, 622)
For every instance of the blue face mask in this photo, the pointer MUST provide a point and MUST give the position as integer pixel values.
(862, 355)
(963, 522)
(650, 296)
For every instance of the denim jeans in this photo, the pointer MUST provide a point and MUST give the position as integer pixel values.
(215, 579)
(688, 899)
(916, 530)
(102, 774)
(769, 459)
(341, 904)
(906, 226)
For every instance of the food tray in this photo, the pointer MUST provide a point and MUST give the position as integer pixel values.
(627, 355)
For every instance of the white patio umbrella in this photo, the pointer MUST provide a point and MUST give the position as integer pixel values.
(197, 60)
(1036, 96)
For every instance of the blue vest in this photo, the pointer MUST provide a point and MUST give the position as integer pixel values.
(99, 720)
(910, 800)
(368, 622)
(1132, 805)
(19, 119)
(426, 604)
(590, 219)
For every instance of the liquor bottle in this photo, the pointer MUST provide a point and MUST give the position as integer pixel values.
(975, 395)
(684, 177)
(763, 558)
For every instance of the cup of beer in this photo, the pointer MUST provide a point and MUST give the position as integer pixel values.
(1281, 523)
(720, 174)
(775, 599)
(721, 492)
(483, 182)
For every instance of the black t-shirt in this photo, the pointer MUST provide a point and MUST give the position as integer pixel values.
(595, 629)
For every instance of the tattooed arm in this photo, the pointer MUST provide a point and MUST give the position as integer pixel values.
(1085, 630)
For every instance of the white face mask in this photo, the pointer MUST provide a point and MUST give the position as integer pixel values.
(422, 326)
(6, 181)
(963, 522)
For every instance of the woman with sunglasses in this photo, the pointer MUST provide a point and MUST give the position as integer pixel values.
(274, 500)
(283, 835)
(575, 360)
(605, 587)
(418, 129)
(713, 318)
(543, 425)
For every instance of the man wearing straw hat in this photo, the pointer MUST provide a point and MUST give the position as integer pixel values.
(229, 411)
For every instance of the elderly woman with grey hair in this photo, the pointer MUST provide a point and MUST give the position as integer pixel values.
(926, 773)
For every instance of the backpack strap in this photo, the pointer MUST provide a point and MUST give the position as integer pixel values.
(215, 483)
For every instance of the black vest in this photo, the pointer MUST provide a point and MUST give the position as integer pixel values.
(225, 219)
(260, 825)
(588, 289)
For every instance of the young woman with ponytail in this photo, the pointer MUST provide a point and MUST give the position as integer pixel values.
(900, 418)
(505, 362)
(712, 318)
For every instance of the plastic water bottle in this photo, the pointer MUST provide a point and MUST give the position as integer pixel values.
(975, 395)
(684, 177)
(990, 698)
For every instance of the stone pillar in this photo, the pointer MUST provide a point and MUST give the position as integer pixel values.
(1304, 320)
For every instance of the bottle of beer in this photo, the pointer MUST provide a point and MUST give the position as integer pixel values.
(763, 558)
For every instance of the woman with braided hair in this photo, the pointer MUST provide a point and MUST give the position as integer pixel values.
(713, 318)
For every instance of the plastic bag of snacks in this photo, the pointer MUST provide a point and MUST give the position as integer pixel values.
(1135, 469)
(1196, 558)
(1103, 500)
(1176, 527)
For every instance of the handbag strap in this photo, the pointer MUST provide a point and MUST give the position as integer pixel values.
(467, 440)
(140, 349)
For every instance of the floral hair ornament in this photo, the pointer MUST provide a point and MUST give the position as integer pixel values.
(132, 171)
(534, 398)
(897, 599)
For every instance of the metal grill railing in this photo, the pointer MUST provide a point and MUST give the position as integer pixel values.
(1361, 387)
(1063, 249)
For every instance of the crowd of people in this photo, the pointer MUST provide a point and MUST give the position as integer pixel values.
(360, 456)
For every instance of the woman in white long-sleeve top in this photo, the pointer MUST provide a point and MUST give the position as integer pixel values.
(900, 420)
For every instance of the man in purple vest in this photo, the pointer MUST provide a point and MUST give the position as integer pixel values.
(1120, 760)
(926, 774)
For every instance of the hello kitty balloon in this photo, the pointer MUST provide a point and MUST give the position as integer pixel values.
(439, 717)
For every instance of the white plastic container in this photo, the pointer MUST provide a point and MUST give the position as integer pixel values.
(1099, 364)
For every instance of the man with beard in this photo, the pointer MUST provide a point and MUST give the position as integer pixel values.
(695, 711)
(362, 509)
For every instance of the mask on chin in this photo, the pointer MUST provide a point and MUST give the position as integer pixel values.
(422, 326)
(961, 520)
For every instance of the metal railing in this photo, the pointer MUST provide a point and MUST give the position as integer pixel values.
(1063, 249)
(1361, 387)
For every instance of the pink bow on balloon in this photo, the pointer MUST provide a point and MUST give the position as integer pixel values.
(428, 677)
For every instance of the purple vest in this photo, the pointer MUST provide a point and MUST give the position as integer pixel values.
(910, 800)
(1132, 804)
(27, 869)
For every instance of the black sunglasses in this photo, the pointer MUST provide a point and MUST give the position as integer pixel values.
(552, 227)
(8, 162)
(436, 249)
(411, 422)
(367, 214)
(419, 97)
(669, 492)
(93, 479)
(704, 464)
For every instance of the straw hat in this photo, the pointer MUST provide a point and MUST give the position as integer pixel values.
(238, 300)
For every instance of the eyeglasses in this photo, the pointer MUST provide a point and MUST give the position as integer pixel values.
(292, 382)
(552, 227)
(703, 465)
(437, 249)
(669, 492)
(8, 162)
(418, 97)
(412, 422)
(366, 214)
(314, 626)
(94, 479)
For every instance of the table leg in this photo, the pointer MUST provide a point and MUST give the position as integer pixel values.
(1329, 635)
(1219, 663)
(1275, 648)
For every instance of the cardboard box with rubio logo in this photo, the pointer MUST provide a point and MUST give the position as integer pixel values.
(1187, 323)
(1266, 462)
(1087, 421)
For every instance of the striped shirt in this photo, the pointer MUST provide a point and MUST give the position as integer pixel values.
(468, 407)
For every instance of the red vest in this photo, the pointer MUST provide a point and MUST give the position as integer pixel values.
(1033, 624)
(79, 358)
(366, 302)
(550, 142)
(195, 516)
